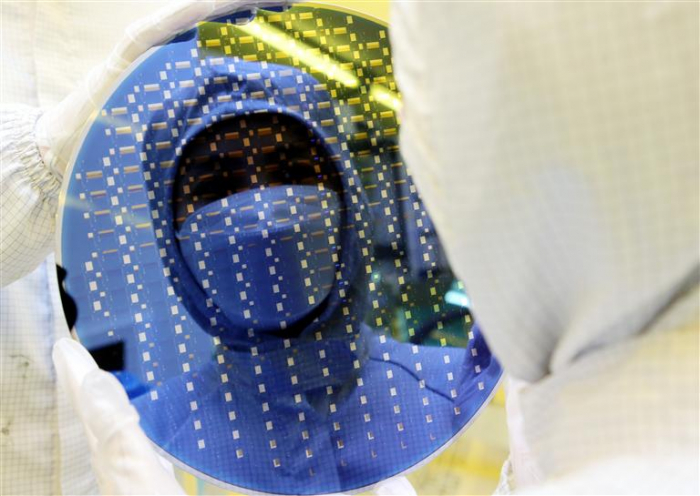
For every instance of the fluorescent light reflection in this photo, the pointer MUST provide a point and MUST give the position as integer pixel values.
(454, 297)
(301, 51)
(385, 96)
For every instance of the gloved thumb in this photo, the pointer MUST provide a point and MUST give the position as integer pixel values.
(122, 456)
(105, 406)
(73, 364)
(97, 395)
(396, 486)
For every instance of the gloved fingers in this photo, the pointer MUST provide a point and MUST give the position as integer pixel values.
(396, 486)
(176, 18)
(122, 456)
(73, 364)
(97, 396)
(160, 26)
(156, 29)
(105, 406)
(59, 128)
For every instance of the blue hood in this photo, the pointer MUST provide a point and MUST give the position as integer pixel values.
(220, 276)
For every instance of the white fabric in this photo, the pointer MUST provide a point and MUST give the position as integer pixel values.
(41, 449)
(47, 49)
(556, 147)
(28, 195)
(623, 476)
(396, 486)
(30, 409)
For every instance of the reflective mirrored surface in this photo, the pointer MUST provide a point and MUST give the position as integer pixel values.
(250, 256)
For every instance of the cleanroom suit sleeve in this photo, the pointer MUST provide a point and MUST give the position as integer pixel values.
(30, 185)
(28, 195)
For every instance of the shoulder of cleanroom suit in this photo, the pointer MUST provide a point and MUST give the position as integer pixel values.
(241, 219)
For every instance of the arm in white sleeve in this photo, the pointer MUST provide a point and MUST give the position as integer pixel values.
(29, 185)
(28, 195)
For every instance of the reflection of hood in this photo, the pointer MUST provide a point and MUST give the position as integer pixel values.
(564, 185)
(282, 256)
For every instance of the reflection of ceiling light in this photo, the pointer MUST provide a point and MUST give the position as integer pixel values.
(319, 63)
(457, 298)
(385, 97)
(304, 53)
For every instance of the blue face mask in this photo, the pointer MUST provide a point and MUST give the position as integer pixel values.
(265, 258)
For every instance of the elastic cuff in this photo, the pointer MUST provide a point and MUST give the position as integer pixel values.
(17, 126)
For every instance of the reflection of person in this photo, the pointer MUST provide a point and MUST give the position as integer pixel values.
(47, 49)
(556, 148)
(300, 393)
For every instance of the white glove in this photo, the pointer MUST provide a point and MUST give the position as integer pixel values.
(58, 130)
(396, 486)
(122, 456)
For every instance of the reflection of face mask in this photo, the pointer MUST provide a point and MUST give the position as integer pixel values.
(265, 257)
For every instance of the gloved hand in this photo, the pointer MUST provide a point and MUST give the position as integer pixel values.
(59, 128)
(122, 456)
